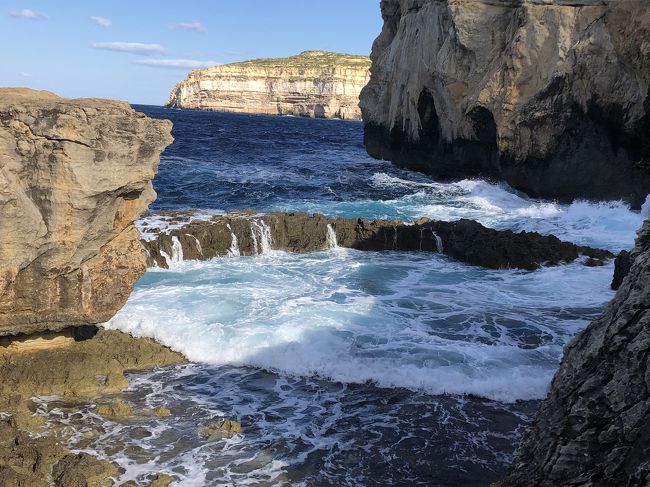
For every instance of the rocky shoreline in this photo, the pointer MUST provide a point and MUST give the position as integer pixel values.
(249, 233)
(76, 174)
(80, 367)
(593, 428)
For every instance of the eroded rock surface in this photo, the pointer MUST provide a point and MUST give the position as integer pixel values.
(594, 427)
(74, 174)
(77, 372)
(465, 240)
(550, 95)
(313, 84)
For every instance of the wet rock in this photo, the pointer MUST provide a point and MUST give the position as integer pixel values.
(464, 240)
(162, 480)
(117, 410)
(26, 461)
(214, 430)
(83, 470)
(622, 265)
(74, 176)
(551, 96)
(594, 426)
(161, 412)
(70, 372)
(80, 370)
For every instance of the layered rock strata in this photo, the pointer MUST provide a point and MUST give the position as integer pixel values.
(464, 240)
(594, 427)
(74, 175)
(551, 96)
(312, 84)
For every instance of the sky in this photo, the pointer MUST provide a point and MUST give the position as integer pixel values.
(137, 50)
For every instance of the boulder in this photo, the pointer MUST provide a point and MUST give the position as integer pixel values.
(74, 175)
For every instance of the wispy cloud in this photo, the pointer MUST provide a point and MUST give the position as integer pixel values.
(132, 47)
(195, 26)
(28, 14)
(101, 21)
(176, 63)
(24, 74)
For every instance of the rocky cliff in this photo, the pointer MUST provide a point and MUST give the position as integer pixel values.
(551, 96)
(311, 84)
(74, 174)
(594, 427)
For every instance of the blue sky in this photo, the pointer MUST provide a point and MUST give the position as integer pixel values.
(136, 50)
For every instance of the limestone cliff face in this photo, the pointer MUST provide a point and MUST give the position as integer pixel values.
(594, 427)
(311, 84)
(550, 95)
(74, 174)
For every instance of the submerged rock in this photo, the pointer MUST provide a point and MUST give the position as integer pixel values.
(161, 412)
(551, 96)
(74, 174)
(215, 430)
(594, 427)
(311, 84)
(464, 240)
(117, 410)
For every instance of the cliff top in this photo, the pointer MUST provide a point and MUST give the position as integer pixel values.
(27, 96)
(307, 59)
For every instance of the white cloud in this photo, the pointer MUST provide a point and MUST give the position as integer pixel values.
(176, 63)
(25, 74)
(195, 26)
(28, 14)
(101, 21)
(132, 47)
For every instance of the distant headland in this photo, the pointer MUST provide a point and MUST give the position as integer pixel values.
(315, 84)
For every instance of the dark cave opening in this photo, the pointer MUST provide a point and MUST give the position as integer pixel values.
(485, 129)
(429, 122)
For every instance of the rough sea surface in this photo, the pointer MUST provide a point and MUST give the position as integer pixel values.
(345, 368)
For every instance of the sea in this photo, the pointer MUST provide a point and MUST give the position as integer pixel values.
(344, 368)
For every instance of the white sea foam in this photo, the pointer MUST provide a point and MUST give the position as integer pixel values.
(155, 223)
(610, 225)
(397, 320)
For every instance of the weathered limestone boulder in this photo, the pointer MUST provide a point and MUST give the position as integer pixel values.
(74, 174)
(464, 240)
(551, 96)
(313, 84)
(594, 427)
